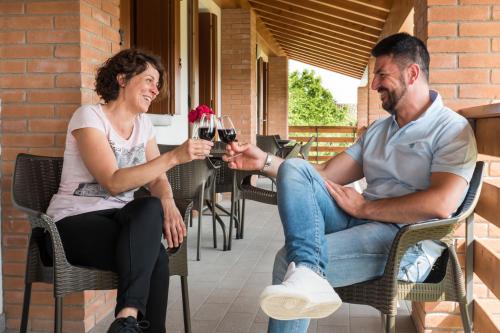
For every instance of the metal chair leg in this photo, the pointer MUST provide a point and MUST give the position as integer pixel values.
(242, 222)
(232, 218)
(389, 324)
(214, 227)
(185, 305)
(199, 234)
(466, 319)
(26, 308)
(58, 315)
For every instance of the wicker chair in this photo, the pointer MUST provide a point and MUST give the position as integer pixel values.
(268, 143)
(445, 282)
(306, 148)
(36, 179)
(192, 181)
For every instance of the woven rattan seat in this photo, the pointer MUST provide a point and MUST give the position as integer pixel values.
(191, 181)
(306, 148)
(36, 179)
(445, 282)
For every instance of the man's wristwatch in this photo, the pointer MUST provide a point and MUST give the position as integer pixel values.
(267, 163)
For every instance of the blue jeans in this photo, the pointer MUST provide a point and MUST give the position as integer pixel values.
(321, 236)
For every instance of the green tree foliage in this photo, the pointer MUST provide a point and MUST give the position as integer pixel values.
(312, 104)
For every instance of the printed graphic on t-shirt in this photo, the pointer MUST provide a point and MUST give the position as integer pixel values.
(91, 190)
(128, 157)
(124, 158)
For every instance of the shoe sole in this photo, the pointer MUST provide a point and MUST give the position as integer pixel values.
(290, 307)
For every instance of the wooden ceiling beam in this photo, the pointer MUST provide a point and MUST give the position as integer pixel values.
(287, 41)
(318, 31)
(354, 8)
(322, 59)
(325, 66)
(318, 36)
(333, 57)
(319, 15)
(315, 26)
(319, 20)
(331, 46)
(334, 13)
(383, 5)
(267, 39)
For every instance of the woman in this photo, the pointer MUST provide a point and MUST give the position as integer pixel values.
(110, 152)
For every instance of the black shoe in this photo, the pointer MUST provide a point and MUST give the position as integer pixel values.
(128, 325)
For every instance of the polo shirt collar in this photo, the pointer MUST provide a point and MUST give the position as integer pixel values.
(437, 104)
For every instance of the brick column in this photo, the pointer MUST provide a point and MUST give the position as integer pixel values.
(48, 54)
(278, 96)
(239, 83)
(463, 38)
(362, 106)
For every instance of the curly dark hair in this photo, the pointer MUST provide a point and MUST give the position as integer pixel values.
(405, 49)
(130, 62)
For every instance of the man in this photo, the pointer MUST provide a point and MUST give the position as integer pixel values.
(417, 164)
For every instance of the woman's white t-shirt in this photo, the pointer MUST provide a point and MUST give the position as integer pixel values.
(79, 192)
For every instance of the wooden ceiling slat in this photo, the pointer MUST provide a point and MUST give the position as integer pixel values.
(319, 15)
(317, 35)
(384, 5)
(319, 20)
(333, 12)
(363, 58)
(354, 8)
(324, 66)
(354, 60)
(339, 60)
(315, 26)
(322, 59)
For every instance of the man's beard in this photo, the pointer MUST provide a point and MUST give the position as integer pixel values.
(393, 98)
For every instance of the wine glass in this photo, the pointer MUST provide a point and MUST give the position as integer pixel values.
(226, 130)
(204, 128)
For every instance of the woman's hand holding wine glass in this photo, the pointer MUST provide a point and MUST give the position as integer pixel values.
(193, 149)
(205, 129)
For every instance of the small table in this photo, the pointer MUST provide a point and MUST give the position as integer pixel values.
(215, 161)
(284, 142)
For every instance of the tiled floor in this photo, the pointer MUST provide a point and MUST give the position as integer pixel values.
(224, 286)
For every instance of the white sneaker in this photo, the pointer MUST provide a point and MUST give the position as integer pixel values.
(303, 294)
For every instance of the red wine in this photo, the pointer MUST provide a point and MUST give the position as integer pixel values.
(227, 135)
(206, 133)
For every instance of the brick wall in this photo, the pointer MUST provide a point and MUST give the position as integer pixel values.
(239, 83)
(48, 54)
(278, 96)
(362, 106)
(463, 38)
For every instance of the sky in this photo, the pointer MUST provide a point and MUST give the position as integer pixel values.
(343, 88)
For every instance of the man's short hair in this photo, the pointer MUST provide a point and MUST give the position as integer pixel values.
(406, 49)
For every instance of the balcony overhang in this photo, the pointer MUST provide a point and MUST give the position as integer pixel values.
(336, 35)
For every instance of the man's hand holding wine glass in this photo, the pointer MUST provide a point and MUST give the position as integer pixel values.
(244, 156)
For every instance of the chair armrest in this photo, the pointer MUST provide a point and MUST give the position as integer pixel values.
(438, 230)
(42, 220)
(184, 207)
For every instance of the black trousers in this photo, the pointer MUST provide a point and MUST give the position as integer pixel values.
(128, 242)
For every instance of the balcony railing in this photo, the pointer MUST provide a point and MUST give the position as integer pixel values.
(330, 140)
(482, 258)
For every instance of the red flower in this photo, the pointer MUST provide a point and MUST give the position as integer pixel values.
(196, 114)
